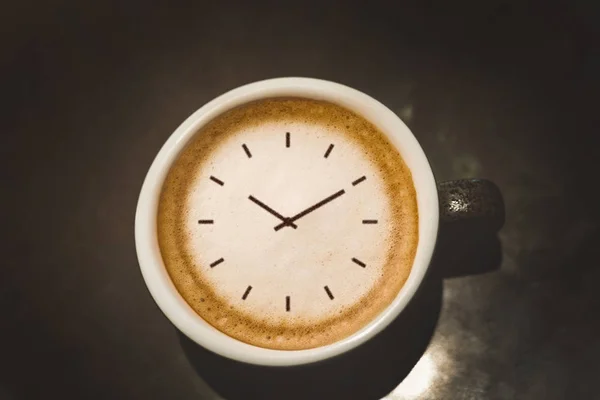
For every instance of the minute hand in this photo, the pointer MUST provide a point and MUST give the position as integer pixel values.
(310, 209)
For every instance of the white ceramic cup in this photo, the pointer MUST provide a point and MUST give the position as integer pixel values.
(157, 279)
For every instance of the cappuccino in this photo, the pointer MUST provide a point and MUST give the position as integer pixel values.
(288, 223)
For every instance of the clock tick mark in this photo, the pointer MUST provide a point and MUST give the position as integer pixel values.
(328, 150)
(216, 180)
(369, 221)
(287, 139)
(329, 292)
(215, 263)
(247, 150)
(357, 261)
(359, 180)
(247, 292)
(206, 221)
(287, 303)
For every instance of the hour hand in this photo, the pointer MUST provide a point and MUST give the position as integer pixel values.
(286, 221)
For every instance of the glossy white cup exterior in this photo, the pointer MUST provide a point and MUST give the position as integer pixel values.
(153, 270)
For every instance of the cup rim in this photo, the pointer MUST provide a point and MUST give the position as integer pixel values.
(150, 260)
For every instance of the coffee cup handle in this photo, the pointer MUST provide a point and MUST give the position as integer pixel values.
(471, 203)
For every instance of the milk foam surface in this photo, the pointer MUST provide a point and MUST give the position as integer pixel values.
(269, 288)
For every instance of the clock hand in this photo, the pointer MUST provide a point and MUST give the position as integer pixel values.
(273, 212)
(309, 210)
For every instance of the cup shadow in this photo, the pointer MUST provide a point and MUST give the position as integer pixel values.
(375, 368)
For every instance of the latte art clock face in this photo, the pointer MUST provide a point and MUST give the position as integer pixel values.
(282, 230)
(288, 233)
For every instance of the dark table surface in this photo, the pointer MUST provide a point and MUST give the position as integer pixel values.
(495, 89)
